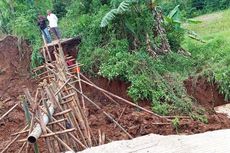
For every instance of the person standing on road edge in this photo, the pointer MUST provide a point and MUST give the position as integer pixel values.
(43, 27)
(53, 20)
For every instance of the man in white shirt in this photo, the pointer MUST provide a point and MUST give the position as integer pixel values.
(53, 20)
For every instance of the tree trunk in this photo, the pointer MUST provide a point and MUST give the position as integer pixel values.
(160, 33)
(149, 46)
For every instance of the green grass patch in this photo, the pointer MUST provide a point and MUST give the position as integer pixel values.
(212, 57)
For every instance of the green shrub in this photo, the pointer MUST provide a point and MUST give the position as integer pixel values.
(213, 59)
(193, 8)
(162, 109)
(176, 124)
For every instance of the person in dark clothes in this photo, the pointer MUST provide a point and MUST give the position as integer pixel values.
(44, 29)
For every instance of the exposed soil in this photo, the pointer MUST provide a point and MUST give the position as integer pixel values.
(139, 123)
(205, 93)
(14, 67)
(15, 75)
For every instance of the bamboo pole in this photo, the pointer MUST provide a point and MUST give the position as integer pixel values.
(106, 114)
(71, 135)
(58, 121)
(62, 56)
(63, 112)
(35, 134)
(43, 126)
(9, 144)
(59, 140)
(120, 116)
(10, 110)
(26, 110)
(57, 133)
(124, 100)
(79, 83)
(102, 92)
(62, 87)
(14, 134)
(23, 146)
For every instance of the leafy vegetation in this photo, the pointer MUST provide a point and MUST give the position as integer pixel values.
(20, 18)
(118, 50)
(176, 124)
(130, 40)
(213, 57)
(193, 8)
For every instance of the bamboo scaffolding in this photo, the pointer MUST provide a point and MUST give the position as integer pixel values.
(83, 120)
(70, 116)
(63, 112)
(71, 135)
(59, 140)
(82, 127)
(64, 128)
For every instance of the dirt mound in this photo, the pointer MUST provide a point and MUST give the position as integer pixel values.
(205, 93)
(14, 67)
(14, 75)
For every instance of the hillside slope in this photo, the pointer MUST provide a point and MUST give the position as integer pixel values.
(212, 58)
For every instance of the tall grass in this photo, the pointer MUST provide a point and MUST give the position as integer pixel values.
(213, 56)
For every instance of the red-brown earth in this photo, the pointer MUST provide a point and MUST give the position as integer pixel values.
(15, 76)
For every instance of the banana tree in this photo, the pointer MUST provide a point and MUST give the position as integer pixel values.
(175, 19)
(143, 20)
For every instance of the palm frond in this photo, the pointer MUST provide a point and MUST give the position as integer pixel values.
(174, 12)
(122, 8)
(108, 17)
